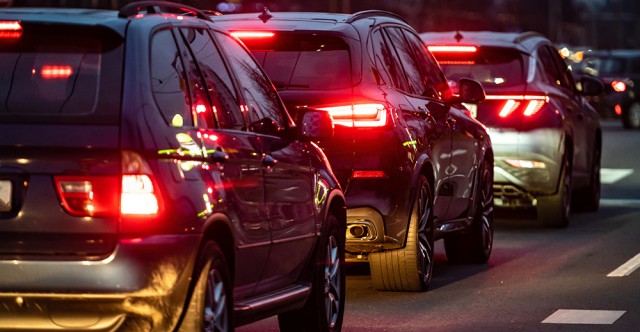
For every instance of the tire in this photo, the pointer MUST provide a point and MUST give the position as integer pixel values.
(631, 117)
(210, 308)
(588, 199)
(474, 245)
(555, 210)
(409, 268)
(324, 309)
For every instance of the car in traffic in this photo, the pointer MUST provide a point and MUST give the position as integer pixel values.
(414, 166)
(619, 70)
(152, 180)
(546, 137)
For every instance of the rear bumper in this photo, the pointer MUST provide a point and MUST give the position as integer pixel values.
(141, 286)
(539, 153)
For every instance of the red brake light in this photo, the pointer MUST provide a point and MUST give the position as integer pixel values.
(368, 174)
(252, 34)
(452, 48)
(54, 72)
(528, 105)
(10, 29)
(618, 86)
(138, 195)
(358, 115)
(88, 195)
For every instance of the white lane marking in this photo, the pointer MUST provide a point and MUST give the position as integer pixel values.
(566, 316)
(613, 175)
(620, 202)
(626, 268)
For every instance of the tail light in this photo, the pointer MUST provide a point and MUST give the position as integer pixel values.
(526, 105)
(131, 194)
(452, 49)
(10, 29)
(252, 34)
(358, 115)
(55, 72)
(618, 86)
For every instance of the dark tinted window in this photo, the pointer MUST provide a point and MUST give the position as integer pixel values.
(266, 113)
(409, 64)
(303, 61)
(60, 75)
(217, 80)
(434, 81)
(491, 66)
(386, 61)
(169, 80)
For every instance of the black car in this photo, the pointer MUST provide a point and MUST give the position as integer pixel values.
(620, 72)
(414, 165)
(546, 137)
(152, 180)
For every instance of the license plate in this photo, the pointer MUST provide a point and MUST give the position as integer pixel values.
(473, 109)
(5, 195)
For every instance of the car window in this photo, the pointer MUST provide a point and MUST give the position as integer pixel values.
(61, 75)
(304, 61)
(265, 111)
(416, 85)
(548, 67)
(563, 69)
(217, 83)
(386, 61)
(169, 80)
(434, 80)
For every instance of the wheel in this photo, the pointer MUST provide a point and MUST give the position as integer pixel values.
(210, 308)
(588, 199)
(474, 244)
(324, 309)
(631, 117)
(555, 210)
(409, 268)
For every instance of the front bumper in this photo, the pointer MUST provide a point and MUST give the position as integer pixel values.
(142, 286)
(526, 165)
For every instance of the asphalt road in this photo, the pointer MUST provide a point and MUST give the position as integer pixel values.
(537, 279)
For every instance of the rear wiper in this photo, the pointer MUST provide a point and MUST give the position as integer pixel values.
(280, 85)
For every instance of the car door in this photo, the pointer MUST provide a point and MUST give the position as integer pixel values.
(289, 177)
(430, 119)
(233, 155)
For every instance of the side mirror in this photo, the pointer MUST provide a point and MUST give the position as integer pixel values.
(591, 86)
(314, 125)
(471, 91)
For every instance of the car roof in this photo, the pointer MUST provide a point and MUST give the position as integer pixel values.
(522, 41)
(66, 16)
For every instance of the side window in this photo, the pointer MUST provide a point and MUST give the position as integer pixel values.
(387, 62)
(405, 54)
(169, 80)
(565, 76)
(433, 78)
(224, 104)
(265, 111)
(548, 67)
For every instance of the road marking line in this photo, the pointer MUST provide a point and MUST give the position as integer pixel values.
(620, 202)
(566, 316)
(626, 268)
(612, 175)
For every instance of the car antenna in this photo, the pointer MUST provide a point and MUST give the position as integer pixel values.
(265, 15)
(458, 36)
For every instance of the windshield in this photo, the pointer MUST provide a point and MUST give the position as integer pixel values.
(303, 61)
(60, 75)
(610, 66)
(491, 66)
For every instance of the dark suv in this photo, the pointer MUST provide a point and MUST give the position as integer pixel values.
(152, 180)
(546, 137)
(413, 164)
(620, 73)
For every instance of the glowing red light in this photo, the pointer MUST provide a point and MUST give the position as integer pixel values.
(533, 104)
(252, 34)
(10, 29)
(618, 109)
(452, 48)
(201, 108)
(618, 86)
(56, 72)
(509, 107)
(368, 174)
(358, 115)
(451, 62)
(533, 107)
(138, 197)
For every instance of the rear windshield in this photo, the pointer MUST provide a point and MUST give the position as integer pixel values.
(60, 75)
(491, 66)
(295, 61)
(611, 66)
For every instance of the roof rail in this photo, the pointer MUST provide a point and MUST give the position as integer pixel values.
(155, 7)
(368, 13)
(527, 34)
